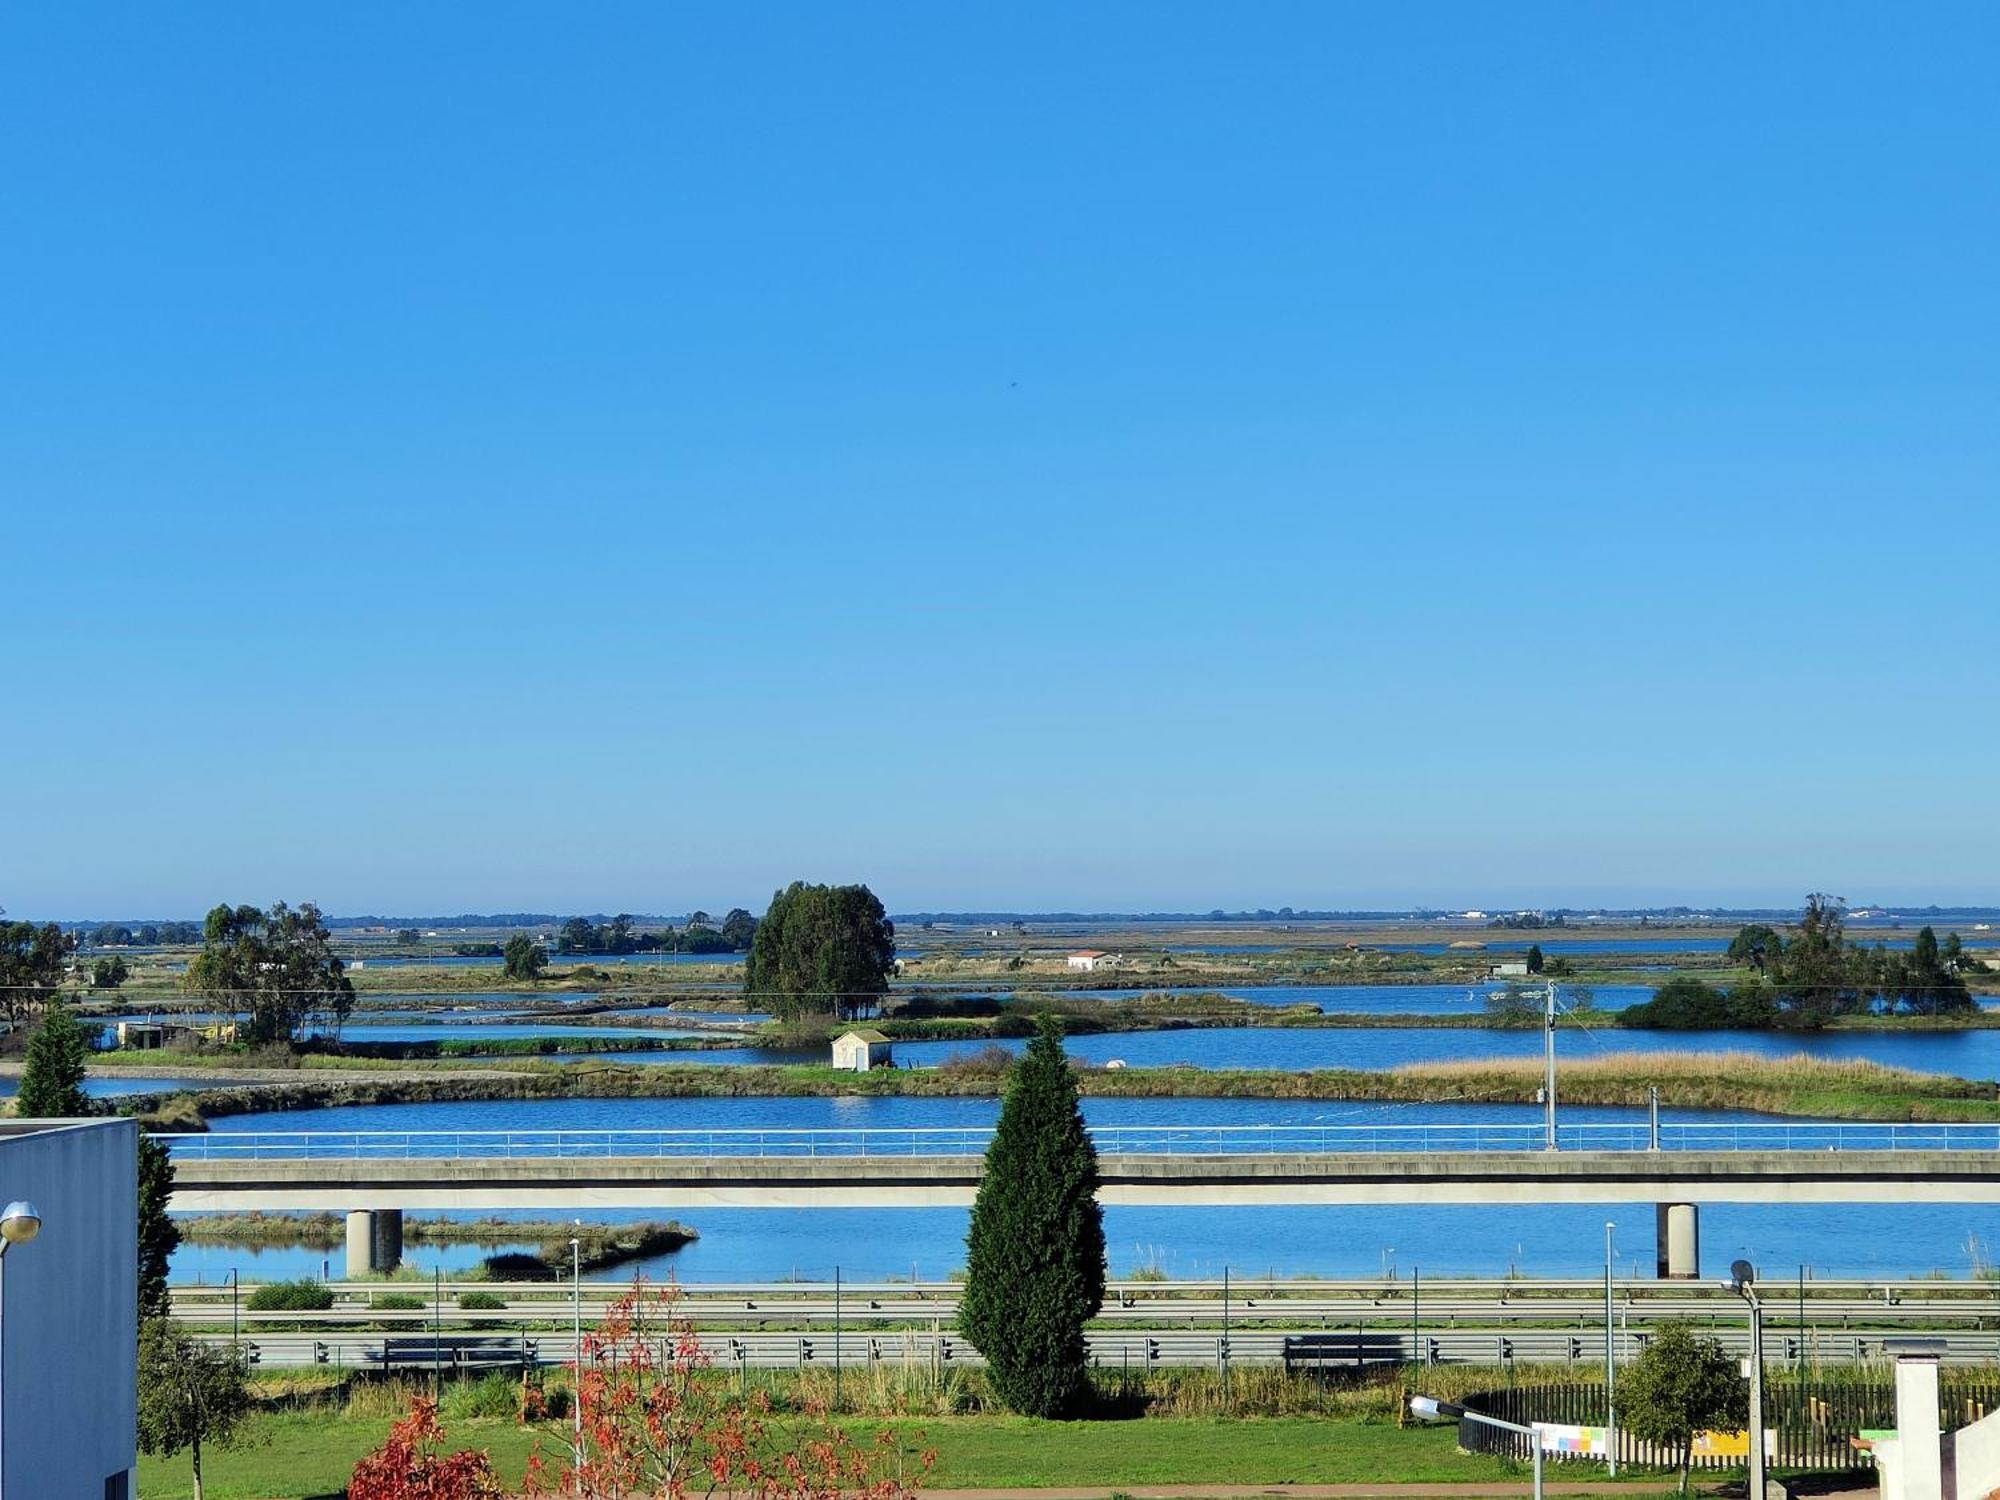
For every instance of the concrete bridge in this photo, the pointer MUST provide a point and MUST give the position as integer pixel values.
(375, 1176)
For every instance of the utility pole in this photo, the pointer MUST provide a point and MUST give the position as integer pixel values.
(1742, 1281)
(1549, 1066)
(1610, 1368)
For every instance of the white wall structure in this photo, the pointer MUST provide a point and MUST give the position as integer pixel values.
(859, 1051)
(1971, 1460)
(68, 1312)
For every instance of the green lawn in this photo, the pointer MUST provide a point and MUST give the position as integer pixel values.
(294, 1457)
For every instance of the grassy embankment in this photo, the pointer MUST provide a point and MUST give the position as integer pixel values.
(305, 1456)
(1797, 1086)
(1270, 1431)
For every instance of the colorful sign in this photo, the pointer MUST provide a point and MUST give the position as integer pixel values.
(1571, 1442)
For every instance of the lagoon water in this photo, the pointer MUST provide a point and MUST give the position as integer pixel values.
(110, 1088)
(769, 1244)
(446, 1031)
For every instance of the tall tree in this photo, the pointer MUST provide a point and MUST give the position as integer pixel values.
(1035, 1252)
(189, 1394)
(52, 1080)
(277, 964)
(523, 957)
(1678, 1386)
(157, 1234)
(1534, 958)
(31, 968)
(1756, 945)
(739, 928)
(821, 950)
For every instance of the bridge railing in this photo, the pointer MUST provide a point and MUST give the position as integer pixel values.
(1112, 1140)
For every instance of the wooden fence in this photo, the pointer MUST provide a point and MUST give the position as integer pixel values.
(1815, 1420)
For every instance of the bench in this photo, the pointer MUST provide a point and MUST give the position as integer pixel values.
(1326, 1351)
(458, 1351)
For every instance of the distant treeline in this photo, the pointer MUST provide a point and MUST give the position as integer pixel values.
(146, 935)
(622, 934)
(1813, 976)
(1554, 916)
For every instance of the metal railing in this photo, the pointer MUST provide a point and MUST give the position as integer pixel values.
(1111, 1140)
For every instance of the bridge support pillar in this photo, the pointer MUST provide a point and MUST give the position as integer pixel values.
(374, 1240)
(1679, 1232)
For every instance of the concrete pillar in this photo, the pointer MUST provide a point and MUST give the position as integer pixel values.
(1917, 1438)
(1679, 1241)
(387, 1252)
(374, 1240)
(360, 1243)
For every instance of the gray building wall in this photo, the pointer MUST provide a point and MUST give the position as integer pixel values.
(68, 1311)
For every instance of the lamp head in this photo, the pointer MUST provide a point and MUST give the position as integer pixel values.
(1742, 1276)
(20, 1222)
(1423, 1406)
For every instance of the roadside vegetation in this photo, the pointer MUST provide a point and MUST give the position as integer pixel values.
(602, 1245)
(1795, 1086)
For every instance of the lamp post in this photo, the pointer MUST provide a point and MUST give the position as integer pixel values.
(576, 1335)
(1610, 1366)
(20, 1222)
(235, 1321)
(1428, 1408)
(1742, 1281)
(1549, 1067)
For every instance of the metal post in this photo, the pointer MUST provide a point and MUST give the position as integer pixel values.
(576, 1336)
(1225, 1333)
(1536, 1440)
(1799, 1394)
(437, 1329)
(235, 1335)
(1652, 1117)
(1610, 1367)
(1756, 1396)
(836, 1338)
(1416, 1316)
(1549, 1066)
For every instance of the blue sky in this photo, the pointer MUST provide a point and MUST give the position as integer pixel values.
(1123, 456)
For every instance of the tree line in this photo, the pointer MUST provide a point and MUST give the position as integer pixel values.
(620, 935)
(1814, 976)
(146, 935)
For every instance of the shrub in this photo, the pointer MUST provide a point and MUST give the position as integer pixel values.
(1684, 1003)
(480, 1302)
(987, 1062)
(290, 1296)
(492, 1395)
(412, 1466)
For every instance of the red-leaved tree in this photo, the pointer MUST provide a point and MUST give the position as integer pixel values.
(409, 1466)
(657, 1424)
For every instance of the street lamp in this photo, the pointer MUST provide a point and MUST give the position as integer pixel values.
(1610, 1366)
(1742, 1281)
(1430, 1408)
(576, 1334)
(20, 1222)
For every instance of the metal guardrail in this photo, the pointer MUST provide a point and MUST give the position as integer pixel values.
(1134, 1350)
(1111, 1140)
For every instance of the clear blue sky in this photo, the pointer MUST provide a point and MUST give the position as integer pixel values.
(1122, 456)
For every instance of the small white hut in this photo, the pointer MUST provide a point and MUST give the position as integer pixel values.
(858, 1051)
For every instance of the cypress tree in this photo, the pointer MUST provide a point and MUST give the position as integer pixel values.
(157, 1232)
(52, 1079)
(1035, 1253)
